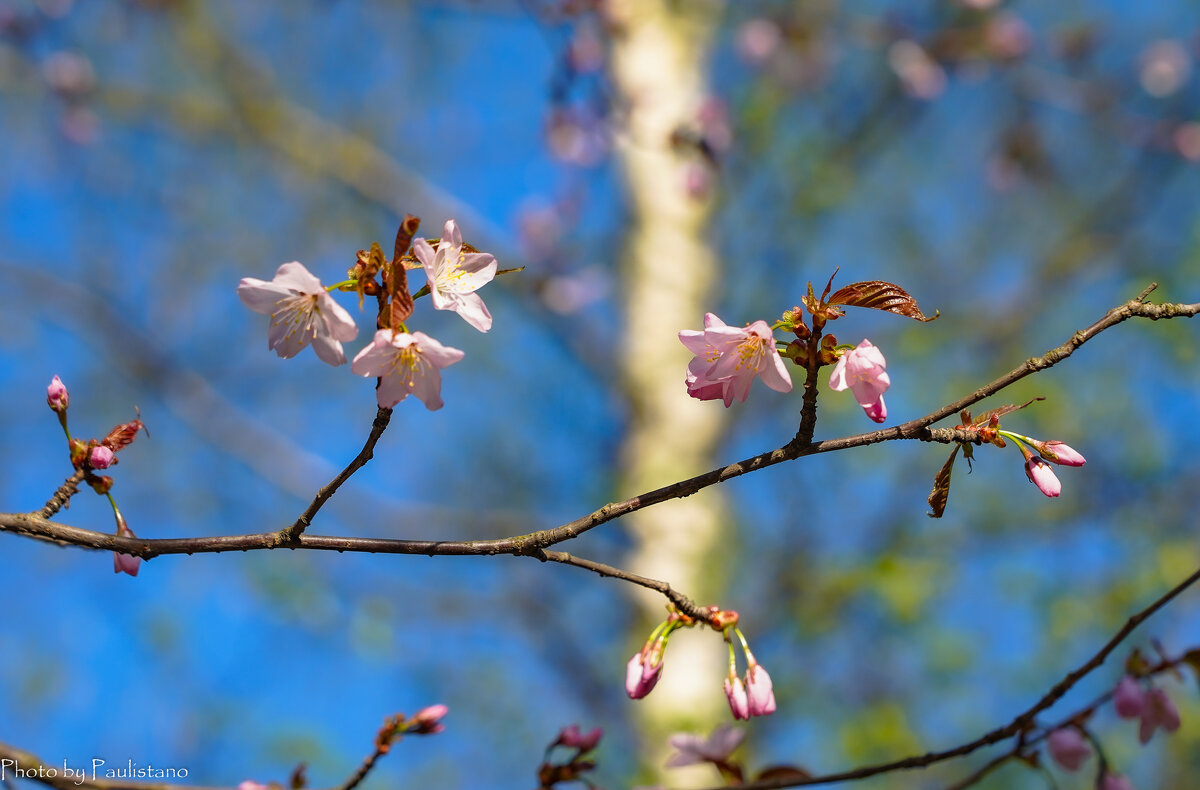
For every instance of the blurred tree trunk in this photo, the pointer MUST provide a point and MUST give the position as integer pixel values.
(659, 69)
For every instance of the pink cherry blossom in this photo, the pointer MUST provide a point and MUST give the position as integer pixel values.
(641, 675)
(861, 369)
(301, 311)
(126, 563)
(1042, 476)
(728, 359)
(57, 397)
(760, 691)
(1129, 698)
(455, 275)
(427, 721)
(1115, 782)
(408, 364)
(251, 785)
(101, 457)
(1068, 748)
(735, 692)
(693, 749)
(1157, 711)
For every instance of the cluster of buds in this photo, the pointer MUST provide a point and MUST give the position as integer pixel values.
(426, 721)
(556, 768)
(1036, 467)
(1071, 745)
(93, 454)
(753, 696)
(303, 312)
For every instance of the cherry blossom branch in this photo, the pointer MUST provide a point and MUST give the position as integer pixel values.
(36, 525)
(289, 535)
(1020, 724)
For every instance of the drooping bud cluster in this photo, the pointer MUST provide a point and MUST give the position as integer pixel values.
(755, 696)
(1036, 467)
(556, 767)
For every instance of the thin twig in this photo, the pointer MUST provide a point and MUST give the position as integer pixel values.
(289, 535)
(62, 496)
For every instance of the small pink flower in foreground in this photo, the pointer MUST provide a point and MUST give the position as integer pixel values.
(408, 365)
(454, 276)
(861, 369)
(57, 397)
(1042, 476)
(301, 311)
(641, 675)
(1129, 698)
(251, 785)
(572, 738)
(735, 692)
(1115, 782)
(427, 721)
(1068, 748)
(728, 358)
(1158, 711)
(760, 691)
(126, 563)
(101, 457)
(693, 749)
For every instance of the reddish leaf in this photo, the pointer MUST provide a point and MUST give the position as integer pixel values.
(404, 236)
(1008, 408)
(941, 486)
(880, 295)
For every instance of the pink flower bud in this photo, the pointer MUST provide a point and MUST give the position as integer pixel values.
(572, 738)
(101, 457)
(641, 676)
(1115, 782)
(426, 721)
(1158, 711)
(126, 563)
(1042, 476)
(861, 370)
(1068, 748)
(57, 397)
(1129, 698)
(1058, 453)
(760, 691)
(735, 692)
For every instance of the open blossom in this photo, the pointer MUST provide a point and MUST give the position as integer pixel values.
(1042, 476)
(735, 692)
(1157, 711)
(716, 748)
(301, 311)
(455, 275)
(760, 691)
(728, 358)
(1068, 748)
(408, 364)
(861, 369)
(1129, 698)
(57, 397)
(125, 562)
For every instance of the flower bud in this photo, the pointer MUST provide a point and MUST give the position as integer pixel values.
(101, 457)
(126, 563)
(1068, 748)
(427, 721)
(1058, 453)
(572, 738)
(57, 397)
(1129, 698)
(739, 702)
(760, 691)
(641, 676)
(1042, 476)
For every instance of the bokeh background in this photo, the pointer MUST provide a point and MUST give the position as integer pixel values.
(1019, 166)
